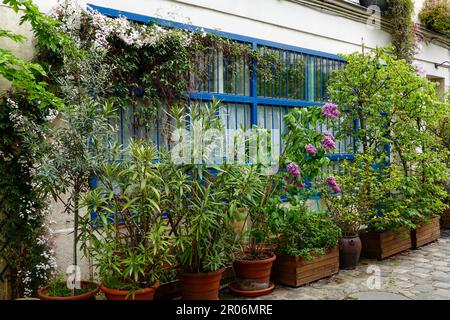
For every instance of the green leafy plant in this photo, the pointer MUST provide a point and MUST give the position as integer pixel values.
(203, 202)
(77, 152)
(128, 239)
(369, 196)
(57, 287)
(303, 233)
(435, 15)
(397, 110)
(402, 30)
(303, 156)
(27, 256)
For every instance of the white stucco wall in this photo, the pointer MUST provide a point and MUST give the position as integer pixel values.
(9, 20)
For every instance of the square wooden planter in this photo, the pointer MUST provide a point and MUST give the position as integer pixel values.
(446, 219)
(425, 233)
(380, 245)
(296, 271)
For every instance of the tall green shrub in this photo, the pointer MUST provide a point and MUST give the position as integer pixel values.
(393, 106)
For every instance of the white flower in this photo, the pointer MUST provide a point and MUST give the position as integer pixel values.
(12, 103)
(203, 32)
(52, 115)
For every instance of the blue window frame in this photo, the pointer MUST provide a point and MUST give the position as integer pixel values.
(247, 99)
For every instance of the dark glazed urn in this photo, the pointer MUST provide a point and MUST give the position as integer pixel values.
(349, 252)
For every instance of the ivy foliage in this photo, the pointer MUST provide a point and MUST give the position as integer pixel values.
(155, 65)
(402, 31)
(435, 15)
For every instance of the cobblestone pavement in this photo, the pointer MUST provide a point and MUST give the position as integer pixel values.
(415, 274)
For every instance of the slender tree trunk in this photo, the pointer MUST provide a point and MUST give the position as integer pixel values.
(75, 237)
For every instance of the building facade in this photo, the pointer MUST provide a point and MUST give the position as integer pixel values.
(310, 32)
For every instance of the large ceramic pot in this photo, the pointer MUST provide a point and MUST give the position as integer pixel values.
(201, 285)
(253, 275)
(349, 252)
(42, 293)
(446, 219)
(141, 294)
(380, 3)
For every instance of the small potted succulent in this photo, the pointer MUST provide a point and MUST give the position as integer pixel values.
(128, 239)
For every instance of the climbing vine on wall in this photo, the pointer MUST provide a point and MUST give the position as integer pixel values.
(403, 36)
(147, 62)
(26, 253)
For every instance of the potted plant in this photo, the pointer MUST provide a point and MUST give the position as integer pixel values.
(306, 245)
(253, 263)
(435, 15)
(78, 148)
(203, 200)
(128, 239)
(205, 240)
(425, 204)
(442, 131)
(384, 214)
(400, 161)
(303, 156)
(57, 289)
(346, 207)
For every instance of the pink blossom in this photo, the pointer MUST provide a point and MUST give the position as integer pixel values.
(330, 110)
(333, 184)
(293, 169)
(310, 149)
(328, 141)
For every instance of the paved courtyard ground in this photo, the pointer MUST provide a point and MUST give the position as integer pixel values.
(415, 274)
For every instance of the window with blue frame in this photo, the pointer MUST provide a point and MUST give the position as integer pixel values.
(247, 98)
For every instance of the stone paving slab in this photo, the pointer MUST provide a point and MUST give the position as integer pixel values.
(421, 274)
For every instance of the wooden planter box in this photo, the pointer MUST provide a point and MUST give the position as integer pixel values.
(446, 219)
(380, 245)
(172, 290)
(295, 271)
(425, 233)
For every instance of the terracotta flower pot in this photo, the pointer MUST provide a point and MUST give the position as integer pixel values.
(141, 294)
(349, 252)
(201, 285)
(41, 293)
(253, 274)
